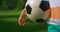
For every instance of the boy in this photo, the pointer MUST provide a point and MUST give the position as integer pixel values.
(53, 14)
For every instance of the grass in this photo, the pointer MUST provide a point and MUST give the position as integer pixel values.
(9, 23)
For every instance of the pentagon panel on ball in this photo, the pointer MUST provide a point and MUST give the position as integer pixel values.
(44, 5)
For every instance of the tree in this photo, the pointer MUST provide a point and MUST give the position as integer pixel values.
(21, 4)
(4, 5)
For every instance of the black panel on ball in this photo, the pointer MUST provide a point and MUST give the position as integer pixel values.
(44, 5)
(41, 20)
(28, 9)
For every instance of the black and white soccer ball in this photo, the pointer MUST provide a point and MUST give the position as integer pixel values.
(35, 10)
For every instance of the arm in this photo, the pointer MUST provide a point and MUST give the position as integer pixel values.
(22, 16)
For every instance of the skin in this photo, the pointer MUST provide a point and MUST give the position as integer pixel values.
(22, 16)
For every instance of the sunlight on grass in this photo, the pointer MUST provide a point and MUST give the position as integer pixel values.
(10, 12)
(10, 19)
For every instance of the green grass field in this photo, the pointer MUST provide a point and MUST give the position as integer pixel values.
(9, 23)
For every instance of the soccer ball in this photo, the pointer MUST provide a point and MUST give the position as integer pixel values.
(35, 10)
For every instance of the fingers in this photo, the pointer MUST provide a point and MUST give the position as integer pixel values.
(21, 22)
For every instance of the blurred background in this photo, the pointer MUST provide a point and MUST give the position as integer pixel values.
(9, 14)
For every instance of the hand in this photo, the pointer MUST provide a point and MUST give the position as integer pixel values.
(22, 16)
(21, 21)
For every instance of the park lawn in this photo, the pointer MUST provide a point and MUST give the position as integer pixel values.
(9, 23)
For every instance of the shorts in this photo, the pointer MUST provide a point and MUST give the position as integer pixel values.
(53, 28)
